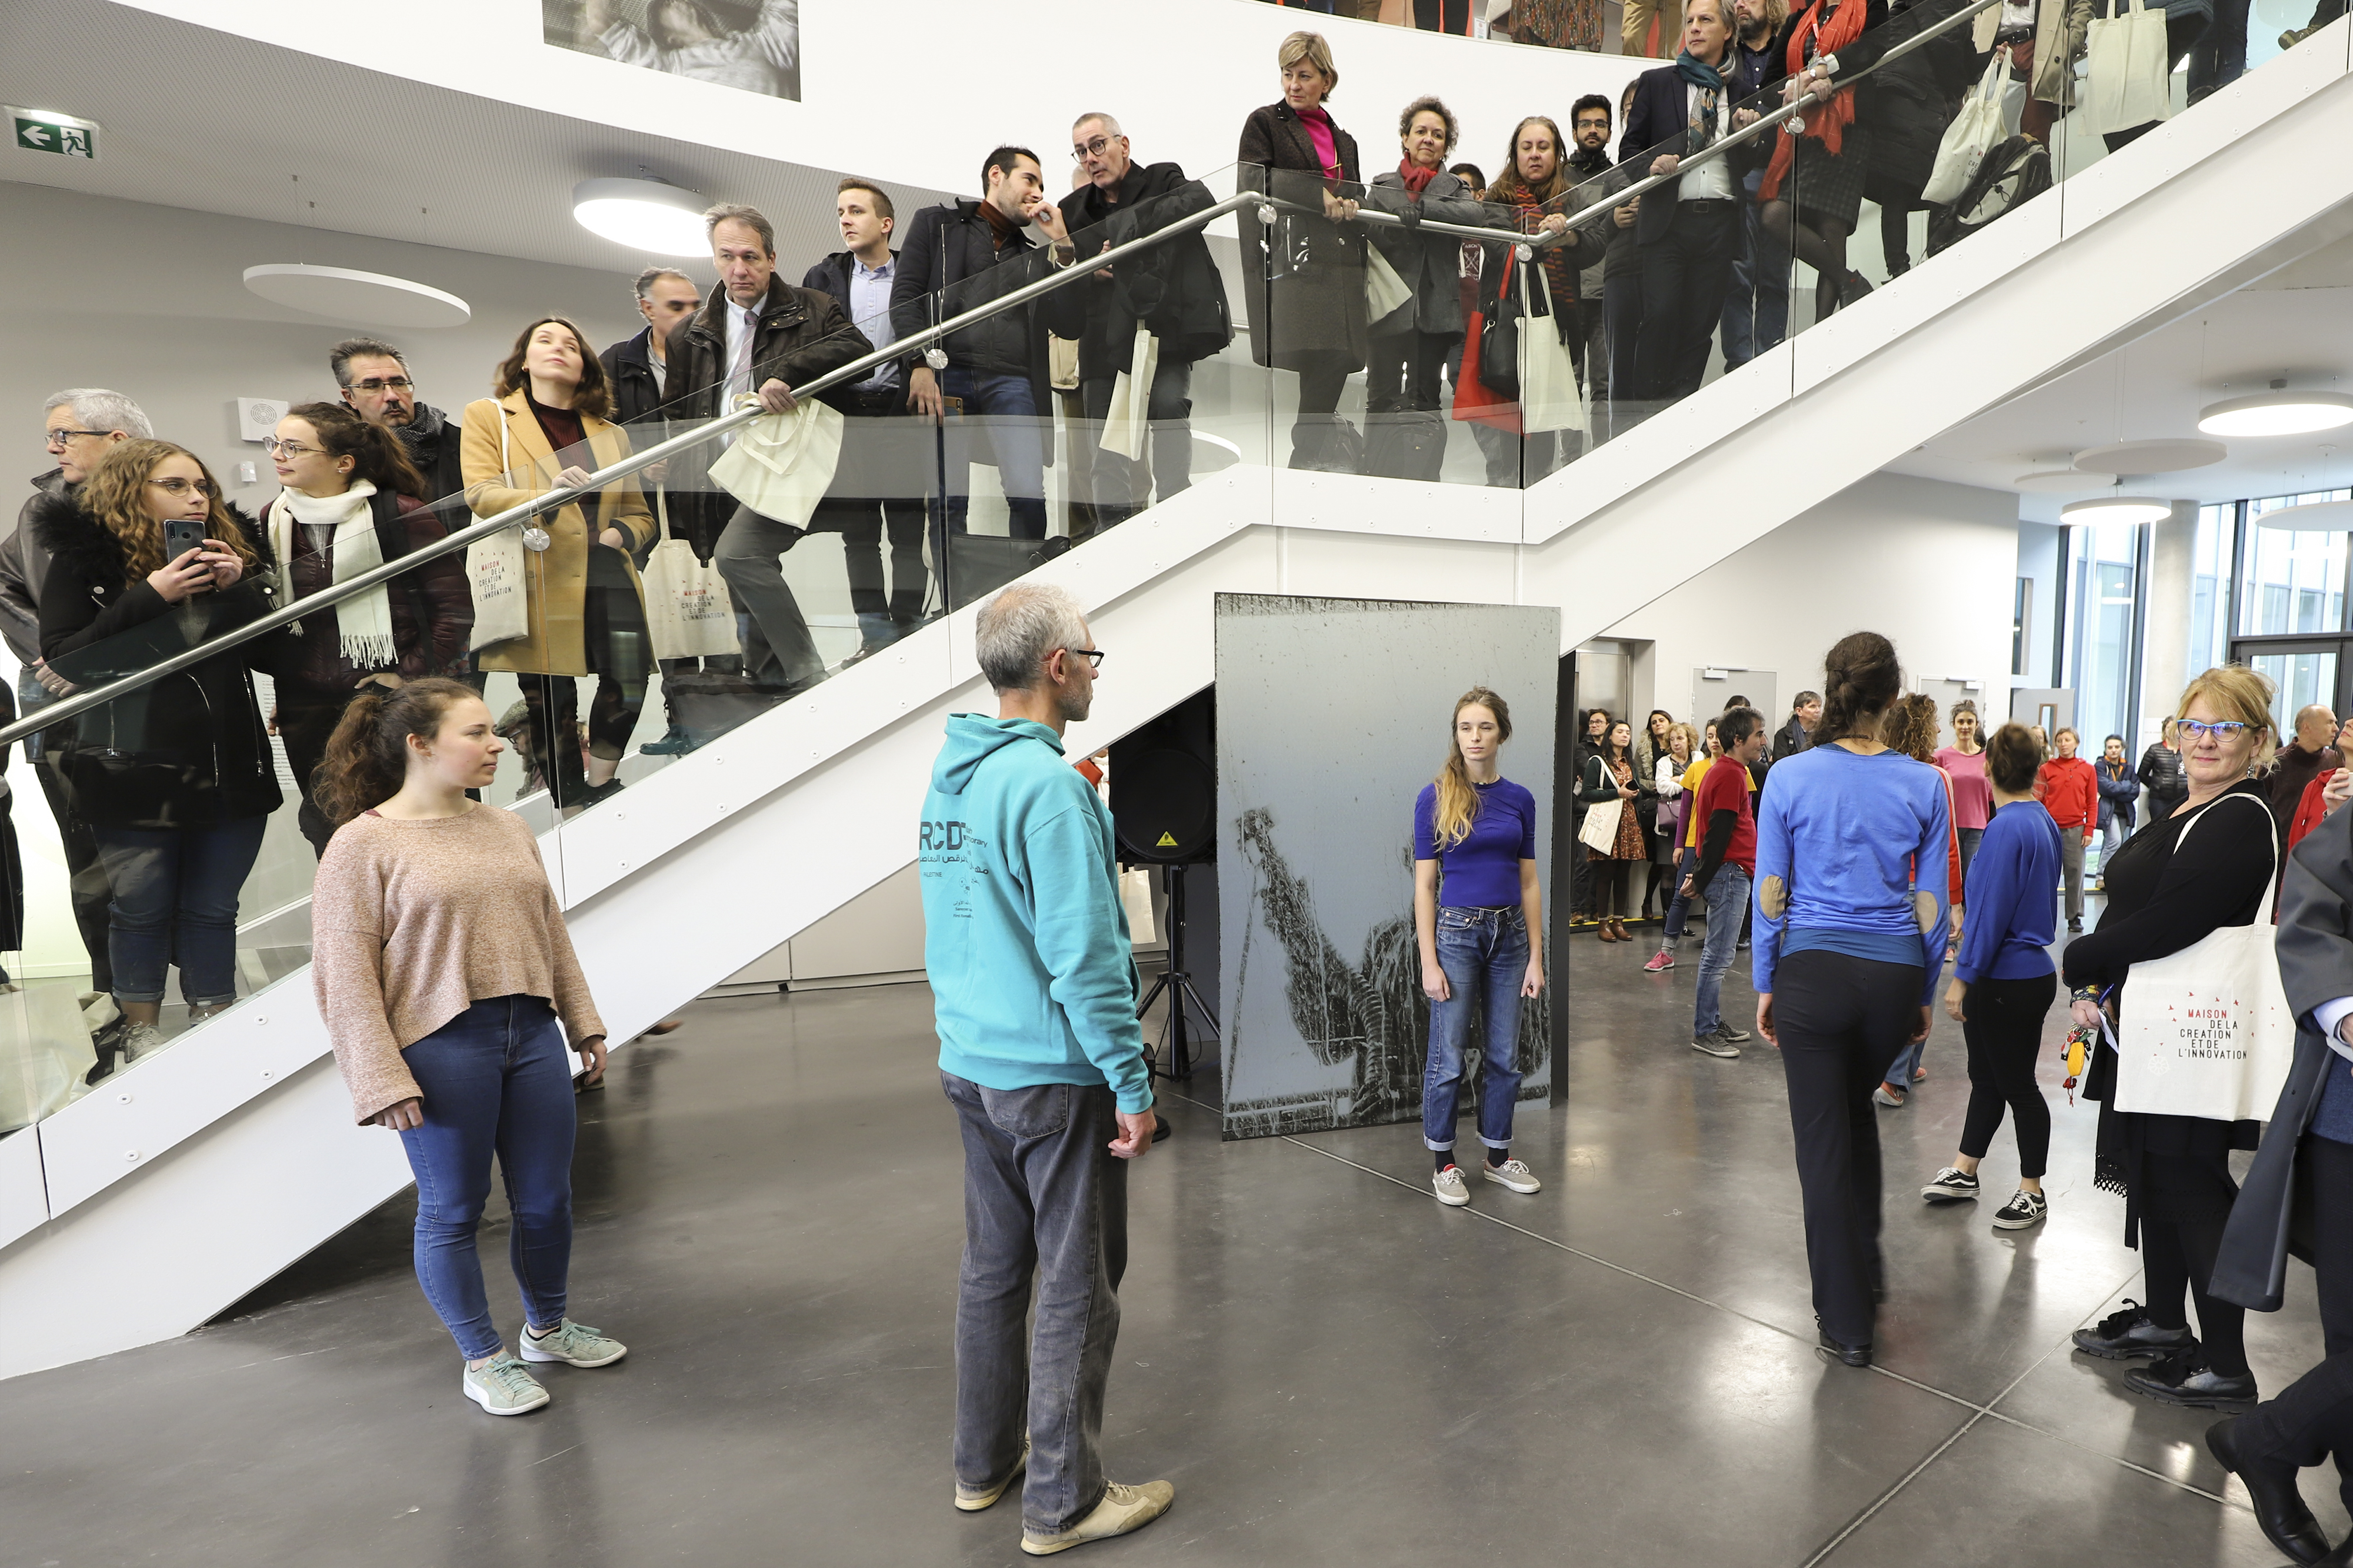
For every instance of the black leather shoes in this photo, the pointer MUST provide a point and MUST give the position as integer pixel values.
(2279, 1507)
(1852, 1355)
(2121, 1336)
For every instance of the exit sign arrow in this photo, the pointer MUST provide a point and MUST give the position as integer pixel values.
(38, 130)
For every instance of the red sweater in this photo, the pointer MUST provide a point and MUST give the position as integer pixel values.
(2070, 792)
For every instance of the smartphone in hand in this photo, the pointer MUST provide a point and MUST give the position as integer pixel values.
(182, 534)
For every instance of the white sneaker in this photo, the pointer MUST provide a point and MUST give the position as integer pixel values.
(1515, 1175)
(1122, 1509)
(142, 1041)
(1451, 1189)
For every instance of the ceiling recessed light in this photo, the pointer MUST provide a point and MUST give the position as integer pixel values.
(339, 294)
(2312, 517)
(2278, 412)
(2129, 511)
(2166, 457)
(650, 216)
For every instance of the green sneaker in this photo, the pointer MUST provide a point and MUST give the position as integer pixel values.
(504, 1387)
(575, 1344)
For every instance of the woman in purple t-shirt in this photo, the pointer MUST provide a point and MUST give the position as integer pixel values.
(1964, 762)
(1479, 936)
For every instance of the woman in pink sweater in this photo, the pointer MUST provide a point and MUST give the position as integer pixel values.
(442, 969)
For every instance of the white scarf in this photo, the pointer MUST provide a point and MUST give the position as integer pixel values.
(364, 620)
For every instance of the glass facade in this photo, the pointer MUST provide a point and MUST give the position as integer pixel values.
(2104, 581)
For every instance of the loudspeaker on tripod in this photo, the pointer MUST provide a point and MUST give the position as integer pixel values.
(1164, 786)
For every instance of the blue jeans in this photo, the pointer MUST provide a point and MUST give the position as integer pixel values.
(1756, 305)
(1484, 955)
(1042, 1197)
(1727, 902)
(1685, 860)
(1968, 837)
(1011, 409)
(496, 1079)
(174, 900)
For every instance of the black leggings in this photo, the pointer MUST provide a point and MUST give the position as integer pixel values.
(2002, 1022)
(2178, 1254)
(2313, 1417)
(1842, 1022)
(1612, 888)
(1404, 372)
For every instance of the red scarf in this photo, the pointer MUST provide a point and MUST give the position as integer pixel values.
(1825, 122)
(1416, 178)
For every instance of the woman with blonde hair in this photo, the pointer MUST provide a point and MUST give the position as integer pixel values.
(176, 781)
(545, 430)
(2171, 884)
(1480, 936)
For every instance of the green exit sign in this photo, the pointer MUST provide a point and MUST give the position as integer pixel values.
(38, 130)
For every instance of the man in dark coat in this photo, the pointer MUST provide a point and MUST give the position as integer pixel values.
(1174, 289)
(959, 256)
(373, 377)
(756, 336)
(2298, 1197)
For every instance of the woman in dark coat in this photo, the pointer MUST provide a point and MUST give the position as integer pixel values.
(1813, 191)
(1307, 272)
(2170, 887)
(1409, 347)
(176, 781)
(1911, 101)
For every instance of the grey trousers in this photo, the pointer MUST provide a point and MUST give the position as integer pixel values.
(1043, 1195)
(1118, 495)
(750, 558)
(2071, 868)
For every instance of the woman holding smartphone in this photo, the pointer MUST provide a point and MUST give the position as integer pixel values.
(1480, 935)
(176, 781)
(450, 988)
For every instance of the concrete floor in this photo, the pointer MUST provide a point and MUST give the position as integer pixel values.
(1332, 1368)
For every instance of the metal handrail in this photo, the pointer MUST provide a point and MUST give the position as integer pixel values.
(899, 349)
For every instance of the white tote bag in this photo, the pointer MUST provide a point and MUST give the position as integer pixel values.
(494, 570)
(1600, 830)
(1550, 397)
(1128, 421)
(2208, 1032)
(781, 465)
(1974, 133)
(1385, 293)
(688, 614)
(2132, 76)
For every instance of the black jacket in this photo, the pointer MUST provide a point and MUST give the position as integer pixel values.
(188, 750)
(637, 385)
(432, 442)
(951, 247)
(831, 277)
(802, 335)
(1791, 739)
(1174, 289)
(1659, 122)
(1303, 275)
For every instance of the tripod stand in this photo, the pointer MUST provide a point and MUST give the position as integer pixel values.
(1174, 1059)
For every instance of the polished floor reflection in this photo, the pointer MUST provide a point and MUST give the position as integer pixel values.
(1332, 1368)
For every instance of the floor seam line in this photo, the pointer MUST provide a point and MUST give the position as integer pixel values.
(1884, 1499)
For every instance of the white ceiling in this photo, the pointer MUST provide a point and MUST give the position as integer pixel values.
(199, 119)
(2297, 322)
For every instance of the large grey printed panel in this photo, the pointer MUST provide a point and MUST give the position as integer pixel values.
(1331, 715)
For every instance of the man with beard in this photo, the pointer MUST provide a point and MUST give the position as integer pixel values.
(376, 386)
(1588, 133)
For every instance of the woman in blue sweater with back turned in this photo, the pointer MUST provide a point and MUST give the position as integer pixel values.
(1849, 935)
(2005, 981)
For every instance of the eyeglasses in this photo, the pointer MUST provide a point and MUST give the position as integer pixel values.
(2198, 730)
(55, 440)
(1094, 656)
(1086, 149)
(183, 486)
(384, 384)
(288, 449)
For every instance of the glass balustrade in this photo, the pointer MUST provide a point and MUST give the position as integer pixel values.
(1296, 323)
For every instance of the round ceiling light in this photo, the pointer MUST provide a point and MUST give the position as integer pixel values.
(2062, 482)
(649, 216)
(2169, 457)
(2129, 511)
(371, 298)
(2276, 413)
(2312, 517)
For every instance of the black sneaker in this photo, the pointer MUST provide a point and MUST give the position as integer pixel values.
(1715, 1044)
(2123, 1335)
(2184, 1378)
(1952, 1185)
(2023, 1209)
(1737, 1037)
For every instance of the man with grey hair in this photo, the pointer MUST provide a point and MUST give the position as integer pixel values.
(637, 365)
(1797, 735)
(373, 377)
(1173, 291)
(1034, 995)
(79, 426)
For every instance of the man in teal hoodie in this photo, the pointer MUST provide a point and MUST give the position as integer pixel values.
(1035, 993)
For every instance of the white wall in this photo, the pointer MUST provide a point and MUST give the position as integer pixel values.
(2039, 562)
(1930, 565)
(951, 80)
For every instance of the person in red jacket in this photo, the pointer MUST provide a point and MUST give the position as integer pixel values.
(2070, 792)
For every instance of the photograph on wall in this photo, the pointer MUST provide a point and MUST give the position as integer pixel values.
(1332, 714)
(753, 45)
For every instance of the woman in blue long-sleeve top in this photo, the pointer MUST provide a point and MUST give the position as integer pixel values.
(1851, 917)
(2004, 982)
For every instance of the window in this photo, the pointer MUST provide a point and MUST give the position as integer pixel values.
(2210, 585)
(2291, 581)
(2021, 607)
(2104, 574)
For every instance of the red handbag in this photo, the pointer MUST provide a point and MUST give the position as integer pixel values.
(1473, 398)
